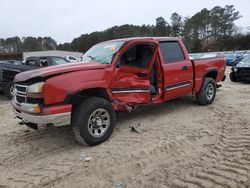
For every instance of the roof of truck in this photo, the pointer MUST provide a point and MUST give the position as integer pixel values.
(147, 38)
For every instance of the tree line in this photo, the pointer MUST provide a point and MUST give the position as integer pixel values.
(15, 44)
(207, 30)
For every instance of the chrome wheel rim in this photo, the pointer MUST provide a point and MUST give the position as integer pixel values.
(98, 122)
(210, 91)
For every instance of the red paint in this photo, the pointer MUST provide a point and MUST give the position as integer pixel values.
(58, 109)
(72, 78)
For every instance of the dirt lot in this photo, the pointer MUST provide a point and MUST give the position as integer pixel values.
(182, 144)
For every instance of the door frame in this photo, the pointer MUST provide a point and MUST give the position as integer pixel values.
(135, 90)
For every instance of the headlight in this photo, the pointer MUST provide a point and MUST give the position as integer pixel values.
(36, 88)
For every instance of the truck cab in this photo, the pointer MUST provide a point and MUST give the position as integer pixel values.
(161, 69)
(114, 76)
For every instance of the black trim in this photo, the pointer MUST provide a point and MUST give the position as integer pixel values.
(130, 89)
(177, 85)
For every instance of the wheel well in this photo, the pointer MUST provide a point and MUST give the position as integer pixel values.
(212, 74)
(94, 92)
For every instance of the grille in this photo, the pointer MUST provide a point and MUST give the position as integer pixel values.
(21, 89)
(20, 99)
(20, 94)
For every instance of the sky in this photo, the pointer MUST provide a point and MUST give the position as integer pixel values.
(63, 20)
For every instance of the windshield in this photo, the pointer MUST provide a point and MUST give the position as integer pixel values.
(102, 53)
(246, 60)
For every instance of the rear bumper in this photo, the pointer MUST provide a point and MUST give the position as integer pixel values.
(57, 119)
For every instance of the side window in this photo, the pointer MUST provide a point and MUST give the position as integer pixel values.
(171, 51)
(137, 56)
(30, 62)
(58, 61)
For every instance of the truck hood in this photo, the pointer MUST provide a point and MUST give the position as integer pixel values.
(58, 69)
(243, 65)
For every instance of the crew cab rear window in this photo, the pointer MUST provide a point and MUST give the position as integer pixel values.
(171, 51)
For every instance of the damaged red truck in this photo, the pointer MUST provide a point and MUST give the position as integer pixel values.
(114, 76)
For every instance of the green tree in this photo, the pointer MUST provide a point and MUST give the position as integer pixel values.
(177, 24)
(48, 43)
(162, 28)
(222, 20)
(191, 34)
(31, 44)
(10, 45)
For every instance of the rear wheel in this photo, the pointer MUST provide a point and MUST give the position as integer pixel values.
(93, 121)
(232, 77)
(207, 93)
(8, 89)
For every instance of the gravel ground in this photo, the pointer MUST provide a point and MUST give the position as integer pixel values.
(181, 144)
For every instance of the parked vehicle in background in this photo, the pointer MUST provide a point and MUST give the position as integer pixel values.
(121, 74)
(71, 58)
(9, 69)
(15, 62)
(241, 71)
(210, 55)
(205, 55)
(232, 58)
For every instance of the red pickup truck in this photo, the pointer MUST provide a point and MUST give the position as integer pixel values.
(116, 75)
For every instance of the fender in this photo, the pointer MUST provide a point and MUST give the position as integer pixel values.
(74, 98)
(74, 82)
(213, 73)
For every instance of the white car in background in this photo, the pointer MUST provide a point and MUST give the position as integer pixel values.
(71, 58)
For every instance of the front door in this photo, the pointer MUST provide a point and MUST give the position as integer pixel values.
(131, 83)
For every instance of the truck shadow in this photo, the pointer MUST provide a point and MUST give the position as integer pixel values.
(54, 139)
(158, 110)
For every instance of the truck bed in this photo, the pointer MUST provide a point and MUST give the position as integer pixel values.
(212, 65)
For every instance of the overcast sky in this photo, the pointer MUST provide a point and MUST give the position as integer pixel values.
(64, 20)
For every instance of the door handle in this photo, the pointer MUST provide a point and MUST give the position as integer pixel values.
(185, 68)
(142, 74)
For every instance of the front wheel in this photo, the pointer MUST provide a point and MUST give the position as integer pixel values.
(93, 121)
(8, 89)
(207, 92)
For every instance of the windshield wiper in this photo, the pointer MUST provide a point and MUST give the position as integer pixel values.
(91, 57)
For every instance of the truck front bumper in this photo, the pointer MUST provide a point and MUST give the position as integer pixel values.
(58, 119)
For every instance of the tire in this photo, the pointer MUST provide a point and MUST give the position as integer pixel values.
(232, 77)
(207, 92)
(9, 89)
(93, 121)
